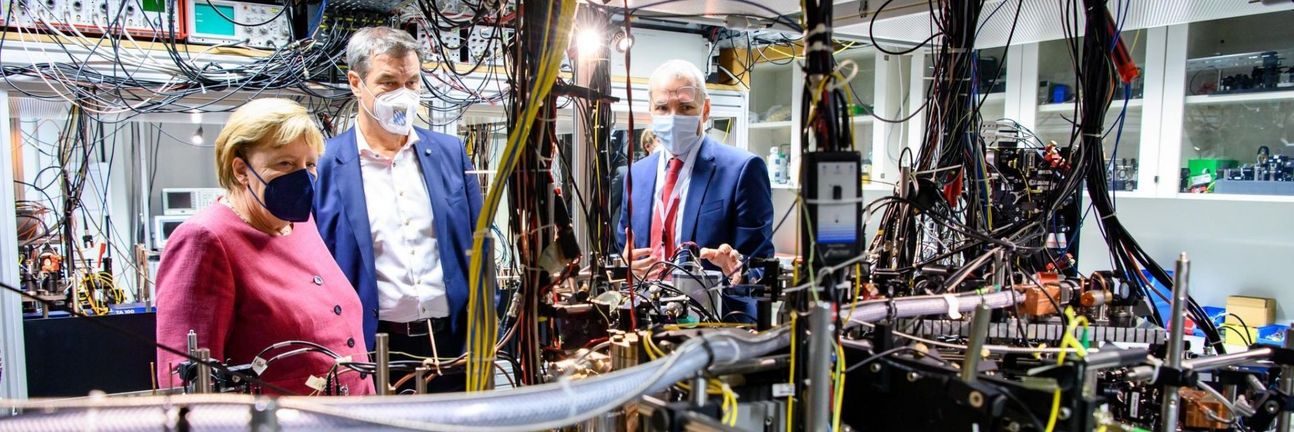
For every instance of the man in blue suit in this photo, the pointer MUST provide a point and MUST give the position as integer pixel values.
(696, 189)
(396, 205)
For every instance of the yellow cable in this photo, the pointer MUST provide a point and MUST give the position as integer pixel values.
(482, 329)
(840, 387)
(1067, 340)
(790, 398)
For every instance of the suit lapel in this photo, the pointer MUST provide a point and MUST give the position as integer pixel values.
(350, 183)
(433, 176)
(697, 185)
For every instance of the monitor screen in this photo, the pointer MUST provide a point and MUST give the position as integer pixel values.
(207, 19)
(179, 200)
(169, 227)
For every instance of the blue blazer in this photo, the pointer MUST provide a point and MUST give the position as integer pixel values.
(729, 200)
(342, 216)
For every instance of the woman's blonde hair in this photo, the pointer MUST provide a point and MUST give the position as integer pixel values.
(647, 138)
(262, 123)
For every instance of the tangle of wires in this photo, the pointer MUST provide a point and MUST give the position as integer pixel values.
(141, 81)
(1104, 55)
(543, 32)
(66, 237)
(461, 73)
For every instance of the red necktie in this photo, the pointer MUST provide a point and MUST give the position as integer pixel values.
(662, 226)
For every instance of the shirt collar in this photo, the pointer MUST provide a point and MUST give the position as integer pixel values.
(366, 150)
(687, 158)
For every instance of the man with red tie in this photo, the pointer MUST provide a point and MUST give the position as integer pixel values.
(695, 189)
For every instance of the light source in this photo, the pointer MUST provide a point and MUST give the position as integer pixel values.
(197, 139)
(588, 41)
(622, 41)
(195, 116)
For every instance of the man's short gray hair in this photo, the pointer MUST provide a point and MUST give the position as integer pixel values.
(673, 69)
(371, 41)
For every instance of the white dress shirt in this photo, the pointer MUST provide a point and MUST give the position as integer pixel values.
(410, 279)
(680, 187)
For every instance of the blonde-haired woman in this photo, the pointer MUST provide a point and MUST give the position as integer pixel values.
(251, 270)
(648, 141)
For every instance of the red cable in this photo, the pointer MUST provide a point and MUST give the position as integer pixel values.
(629, 184)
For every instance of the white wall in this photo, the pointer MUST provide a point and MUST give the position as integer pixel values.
(1235, 247)
(653, 47)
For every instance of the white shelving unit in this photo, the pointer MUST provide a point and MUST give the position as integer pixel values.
(771, 125)
(1069, 107)
(1267, 96)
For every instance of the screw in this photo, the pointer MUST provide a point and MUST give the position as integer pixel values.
(976, 399)
(1270, 407)
(1064, 414)
(876, 367)
(913, 377)
(1013, 427)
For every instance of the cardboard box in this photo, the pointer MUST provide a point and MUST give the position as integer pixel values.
(1254, 311)
(1238, 335)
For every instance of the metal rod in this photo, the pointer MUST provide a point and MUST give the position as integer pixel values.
(383, 364)
(1286, 384)
(192, 342)
(979, 332)
(202, 384)
(1202, 364)
(821, 331)
(1171, 403)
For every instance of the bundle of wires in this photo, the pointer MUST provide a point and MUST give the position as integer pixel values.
(482, 323)
(143, 82)
(1096, 88)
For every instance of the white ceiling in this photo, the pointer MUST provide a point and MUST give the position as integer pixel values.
(1041, 19)
(909, 20)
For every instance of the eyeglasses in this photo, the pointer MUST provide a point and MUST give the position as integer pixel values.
(685, 94)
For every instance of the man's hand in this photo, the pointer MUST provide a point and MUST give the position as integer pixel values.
(727, 259)
(642, 260)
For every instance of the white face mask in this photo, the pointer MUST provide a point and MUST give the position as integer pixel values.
(677, 134)
(394, 110)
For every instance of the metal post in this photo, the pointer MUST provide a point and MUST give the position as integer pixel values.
(191, 344)
(420, 379)
(383, 364)
(818, 409)
(698, 390)
(979, 333)
(202, 384)
(141, 276)
(1286, 383)
(1171, 405)
(1000, 270)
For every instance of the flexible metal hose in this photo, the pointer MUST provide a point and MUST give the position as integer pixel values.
(529, 408)
(906, 307)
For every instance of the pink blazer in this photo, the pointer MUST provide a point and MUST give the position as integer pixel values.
(242, 290)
